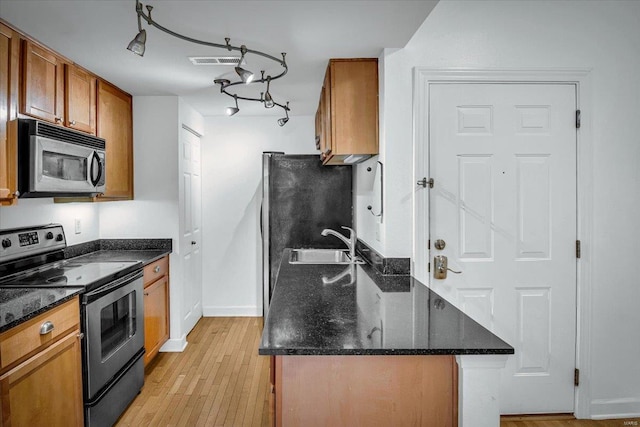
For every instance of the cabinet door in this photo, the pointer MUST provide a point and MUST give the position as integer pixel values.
(116, 127)
(9, 57)
(156, 317)
(42, 84)
(46, 389)
(80, 99)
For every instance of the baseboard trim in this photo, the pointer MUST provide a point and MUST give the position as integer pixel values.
(538, 417)
(602, 409)
(175, 345)
(232, 311)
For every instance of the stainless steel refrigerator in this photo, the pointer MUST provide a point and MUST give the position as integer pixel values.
(300, 198)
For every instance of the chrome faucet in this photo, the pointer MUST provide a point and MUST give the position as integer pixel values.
(350, 242)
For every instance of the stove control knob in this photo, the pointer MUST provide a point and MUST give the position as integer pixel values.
(59, 238)
(6, 243)
(49, 235)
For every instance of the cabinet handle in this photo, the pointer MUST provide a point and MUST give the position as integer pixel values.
(58, 119)
(16, 194)
(72, 122)
(46, 328)
(146, 294)
(156, 269)
(80, 335)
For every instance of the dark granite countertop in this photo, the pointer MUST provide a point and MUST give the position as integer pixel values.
(21, 304)
(109, 255)
(145, 251)
(364, 312)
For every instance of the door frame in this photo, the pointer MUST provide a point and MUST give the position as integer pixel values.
(423, 78)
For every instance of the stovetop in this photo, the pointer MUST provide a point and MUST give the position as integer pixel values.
(70, 273)
(32, 257)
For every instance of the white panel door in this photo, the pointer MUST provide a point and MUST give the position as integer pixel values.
(503, 160)
(190, 229)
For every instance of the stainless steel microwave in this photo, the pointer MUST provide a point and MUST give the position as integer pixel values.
(54, 161)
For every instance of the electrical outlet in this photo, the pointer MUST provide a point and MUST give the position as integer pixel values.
(78, 226)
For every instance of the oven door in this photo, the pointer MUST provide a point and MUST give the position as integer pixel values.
(114, 330)
(64, 167)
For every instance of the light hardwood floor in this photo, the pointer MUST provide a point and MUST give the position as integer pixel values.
(219, 380)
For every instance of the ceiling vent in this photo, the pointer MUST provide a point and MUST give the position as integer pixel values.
(216, 60)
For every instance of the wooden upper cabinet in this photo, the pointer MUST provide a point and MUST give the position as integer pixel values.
(80, 99)
(349, 109)
(9, 70)
(42, 84)
(115, 125)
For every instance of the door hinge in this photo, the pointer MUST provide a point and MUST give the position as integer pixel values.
(429, 267)
(429, 244)
(577, 119)
(578, 249)
(576, 377)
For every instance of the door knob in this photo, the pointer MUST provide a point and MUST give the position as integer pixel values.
(439, 244)
(193, 242)
(441, 268)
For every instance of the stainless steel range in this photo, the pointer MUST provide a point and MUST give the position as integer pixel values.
(111, 313)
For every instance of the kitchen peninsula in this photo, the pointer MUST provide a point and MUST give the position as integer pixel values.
(351, 346)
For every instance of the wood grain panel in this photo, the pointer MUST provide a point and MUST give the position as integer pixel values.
(42, 84)
(156, 317)
(45, 390)
(9, 68)
(115, 125)
(365, 391)
(80, 99)
(156, 270)
(24, 339)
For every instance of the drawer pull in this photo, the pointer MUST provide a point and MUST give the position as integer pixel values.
(156, 269)
(46, 328)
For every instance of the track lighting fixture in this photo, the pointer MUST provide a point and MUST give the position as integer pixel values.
(137, 46)
(283, 121)
(232, 110)
(268, 99)
(245, 75)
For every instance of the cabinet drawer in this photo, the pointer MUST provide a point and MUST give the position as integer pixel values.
(25, 338)
(155, 270)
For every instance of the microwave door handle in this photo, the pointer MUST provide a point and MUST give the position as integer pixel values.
(95, 160)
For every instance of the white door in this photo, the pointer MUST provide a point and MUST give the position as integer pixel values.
(503, 160)
(190, 228)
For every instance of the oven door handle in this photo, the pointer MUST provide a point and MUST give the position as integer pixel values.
(110, 287)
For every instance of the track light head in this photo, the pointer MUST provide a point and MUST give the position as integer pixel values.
(137, 45)
(283, 121)
(233, 110)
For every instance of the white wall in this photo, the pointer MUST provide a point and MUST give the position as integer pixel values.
(231, 197)
(602, 36)
(30, 212)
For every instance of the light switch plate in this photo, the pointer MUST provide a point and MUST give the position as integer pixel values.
(78, 226)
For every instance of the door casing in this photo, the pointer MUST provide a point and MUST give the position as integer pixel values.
(423, 78)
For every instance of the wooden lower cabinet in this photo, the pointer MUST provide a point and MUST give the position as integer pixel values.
(156, 307)
(365, 390)
(44, 388)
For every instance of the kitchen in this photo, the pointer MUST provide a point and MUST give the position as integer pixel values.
(595, 36)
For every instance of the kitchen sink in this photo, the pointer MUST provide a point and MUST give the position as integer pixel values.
(322, 256)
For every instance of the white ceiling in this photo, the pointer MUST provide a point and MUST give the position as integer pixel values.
(95, 33)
